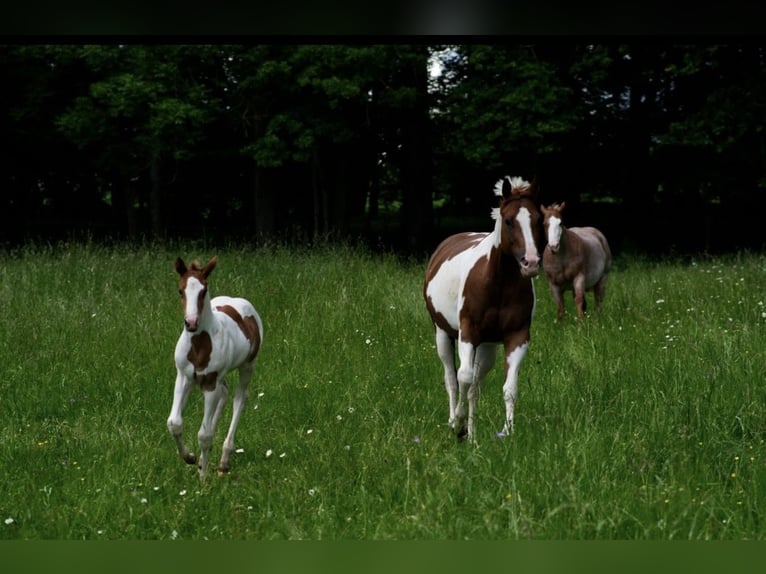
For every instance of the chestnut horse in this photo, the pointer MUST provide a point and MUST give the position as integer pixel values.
(219, 335)
(478, 290)
(576, 259)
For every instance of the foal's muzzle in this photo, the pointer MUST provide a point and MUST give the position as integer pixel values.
(191, 324)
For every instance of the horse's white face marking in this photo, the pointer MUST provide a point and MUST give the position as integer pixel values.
(554, 233)
(530, 249)
(194, 296)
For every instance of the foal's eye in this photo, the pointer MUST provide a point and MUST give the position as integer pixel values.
(181, 292)
(509, 222)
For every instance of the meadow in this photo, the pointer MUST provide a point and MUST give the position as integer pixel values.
(644, 422)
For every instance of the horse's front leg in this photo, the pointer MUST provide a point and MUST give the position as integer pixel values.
(465, 378)
(445, 346)
(558, 298)
(475, 363)
(181, 393)
(215, 399)
(515, 351)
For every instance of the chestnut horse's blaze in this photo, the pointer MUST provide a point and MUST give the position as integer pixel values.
(478, 290)
(220, 335)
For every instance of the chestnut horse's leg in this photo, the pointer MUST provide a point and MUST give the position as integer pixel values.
(558, 298)
(240, 399)
(181, 393)
(445, 346)
(599, 290)
(578, 286)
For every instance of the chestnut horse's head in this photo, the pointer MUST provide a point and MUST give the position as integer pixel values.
(552, 221)
(519, 220)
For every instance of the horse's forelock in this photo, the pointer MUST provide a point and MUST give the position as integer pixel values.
(519, 186)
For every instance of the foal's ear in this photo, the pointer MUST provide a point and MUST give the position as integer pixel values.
(562, 205)
(208, 269)
(180, 267)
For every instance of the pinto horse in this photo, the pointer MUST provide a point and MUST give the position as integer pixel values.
(219, 335)
(478, 290)
(576, 259)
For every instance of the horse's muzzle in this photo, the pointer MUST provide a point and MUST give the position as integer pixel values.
(191, 324)
(530, 266)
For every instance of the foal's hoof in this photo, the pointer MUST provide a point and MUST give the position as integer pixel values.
(461, 433)
(190, 458)
(222, 470)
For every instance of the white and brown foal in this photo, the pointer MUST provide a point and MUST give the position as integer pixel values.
(219, 335)
(478, 290)
(576, 259)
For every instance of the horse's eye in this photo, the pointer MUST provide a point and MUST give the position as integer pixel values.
(509, 222)
(181, 292)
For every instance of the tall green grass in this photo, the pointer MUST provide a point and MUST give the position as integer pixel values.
(647, 421)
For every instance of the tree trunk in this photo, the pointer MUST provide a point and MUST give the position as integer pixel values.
(417, 168)
(155, 198)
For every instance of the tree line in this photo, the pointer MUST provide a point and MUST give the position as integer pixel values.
(660, 144)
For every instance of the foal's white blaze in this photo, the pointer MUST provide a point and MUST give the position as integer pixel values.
(191, 313)
(554, 233)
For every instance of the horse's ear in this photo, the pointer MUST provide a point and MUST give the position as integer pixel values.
(180, 267)
(208, 269)
(507, 188)
(562, 205)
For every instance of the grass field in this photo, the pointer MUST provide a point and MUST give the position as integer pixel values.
(646, 422)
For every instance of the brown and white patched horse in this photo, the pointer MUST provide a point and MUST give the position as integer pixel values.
(478, 290)
(576, 259)
(219, 335)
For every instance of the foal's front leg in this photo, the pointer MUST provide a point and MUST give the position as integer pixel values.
(181, 393)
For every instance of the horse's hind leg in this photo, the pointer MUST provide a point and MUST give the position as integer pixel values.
(578, 286)
(599, 291)
(240, 399)
(214, 402)
(445, 346)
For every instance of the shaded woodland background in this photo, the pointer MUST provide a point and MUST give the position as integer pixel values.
(660, 144)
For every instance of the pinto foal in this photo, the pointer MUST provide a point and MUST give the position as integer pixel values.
(576, 259)
(478, 290)
(219, 335)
